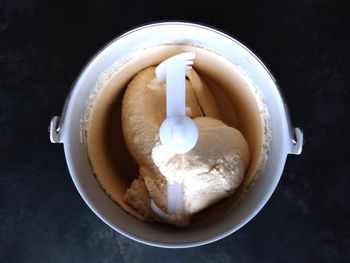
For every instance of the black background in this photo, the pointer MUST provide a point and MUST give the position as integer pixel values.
(43, 46)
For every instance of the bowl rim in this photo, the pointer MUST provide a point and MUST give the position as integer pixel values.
(60, 123)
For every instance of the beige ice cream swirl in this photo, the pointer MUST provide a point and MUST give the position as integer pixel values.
(211, 171)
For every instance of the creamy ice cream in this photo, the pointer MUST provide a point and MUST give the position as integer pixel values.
(211, 171)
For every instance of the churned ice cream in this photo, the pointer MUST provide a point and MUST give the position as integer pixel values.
(210, 172)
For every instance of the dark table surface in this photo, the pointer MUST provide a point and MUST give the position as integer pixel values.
(43, 46)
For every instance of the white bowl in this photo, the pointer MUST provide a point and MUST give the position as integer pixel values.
(66, 129)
